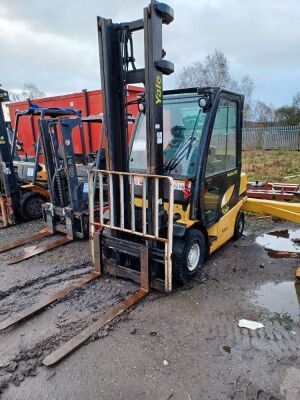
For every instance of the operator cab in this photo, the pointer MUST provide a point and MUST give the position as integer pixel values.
(202, 149)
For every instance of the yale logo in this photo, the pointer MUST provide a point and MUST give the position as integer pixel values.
(158, 90)
(225, 210)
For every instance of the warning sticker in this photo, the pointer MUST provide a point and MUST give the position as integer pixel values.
(30, 171)
(159, 138)
(139, 145)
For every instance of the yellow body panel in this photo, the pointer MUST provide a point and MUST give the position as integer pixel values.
(42, 176)
(36, 189)
(243, 183)
(223, 230)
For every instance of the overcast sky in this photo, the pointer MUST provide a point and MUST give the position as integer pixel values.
(53, 43)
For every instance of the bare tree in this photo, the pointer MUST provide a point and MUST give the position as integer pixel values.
(264, 113)
(296, 100)
(214, 71)
(246, 86)
(29, 91)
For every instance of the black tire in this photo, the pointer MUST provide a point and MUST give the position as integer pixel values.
(239, 226)
(182, 272)
(31, 205)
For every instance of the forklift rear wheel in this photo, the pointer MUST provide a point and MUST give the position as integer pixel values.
(239, 226)
(31, 205)
(188, 256)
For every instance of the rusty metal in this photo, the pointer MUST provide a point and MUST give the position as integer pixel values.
(46, 302)
(169, 243)
(20, 242)
(3, 213)
(144, 257)
(135, 179)
(38, 250)
(286, 187)
(102, 205)
(270, 194)
(84, 335)
(107, 317)
(270, 191)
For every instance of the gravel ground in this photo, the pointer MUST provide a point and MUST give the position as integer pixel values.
(186, 345)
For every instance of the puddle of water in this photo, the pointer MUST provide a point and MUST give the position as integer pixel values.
(283, 297)
(281, 244)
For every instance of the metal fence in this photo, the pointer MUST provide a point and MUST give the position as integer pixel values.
(272, 137)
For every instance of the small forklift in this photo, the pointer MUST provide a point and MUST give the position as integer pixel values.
(21, 196)
(66, 209)
(176, 193)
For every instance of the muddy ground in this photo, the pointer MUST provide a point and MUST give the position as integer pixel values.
(186, 345)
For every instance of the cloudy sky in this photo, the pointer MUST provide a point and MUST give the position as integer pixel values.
(53, 43)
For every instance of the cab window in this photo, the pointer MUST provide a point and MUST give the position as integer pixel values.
(222, 155)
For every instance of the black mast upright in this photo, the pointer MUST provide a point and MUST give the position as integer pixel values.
(9, 185)
(116, 58)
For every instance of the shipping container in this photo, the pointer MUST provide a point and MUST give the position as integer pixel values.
(88, 102)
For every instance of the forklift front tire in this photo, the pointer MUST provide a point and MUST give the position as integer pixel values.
(31, 206)
(239, 226)
(188, 256)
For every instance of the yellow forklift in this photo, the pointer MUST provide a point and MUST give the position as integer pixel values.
(23, 183)
(176, 193)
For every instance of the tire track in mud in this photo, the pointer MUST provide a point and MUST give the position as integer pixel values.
(42, 279)
(273, 338)
(26, 362)
(25, 298)
(246, 390)
(94, 299)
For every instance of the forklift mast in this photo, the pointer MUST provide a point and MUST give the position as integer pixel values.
(117, 65)
(67, 210)
(9, 188)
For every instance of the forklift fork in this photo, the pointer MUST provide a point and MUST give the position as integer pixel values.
(107, 317)
(20, 242)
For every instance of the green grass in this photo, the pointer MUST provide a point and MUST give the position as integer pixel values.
(272, 165)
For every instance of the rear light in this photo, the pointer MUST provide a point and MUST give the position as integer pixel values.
(187, 190)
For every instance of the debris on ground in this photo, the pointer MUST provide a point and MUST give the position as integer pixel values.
(246, 390)
(253, 325)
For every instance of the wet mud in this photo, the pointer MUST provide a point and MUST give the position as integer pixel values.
(186, 345)
(281, 298)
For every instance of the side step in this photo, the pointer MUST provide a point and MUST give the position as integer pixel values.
(38, 250)
(46, 302)
(17, 243)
